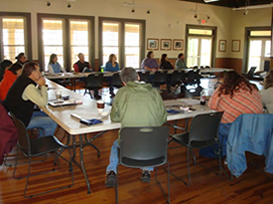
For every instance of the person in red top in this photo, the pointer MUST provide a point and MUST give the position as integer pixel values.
(235, 96)
(9, 78)
(81, 65)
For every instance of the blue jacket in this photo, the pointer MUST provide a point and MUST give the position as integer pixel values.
(109, 67)
(253, 133)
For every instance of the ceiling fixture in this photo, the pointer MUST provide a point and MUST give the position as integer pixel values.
(209, 1)
(48, 3)
(254, 7)
(133, 5)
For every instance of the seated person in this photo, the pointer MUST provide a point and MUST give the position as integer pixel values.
(3, 66)
(235, 96)
(54, 66)
(21, 59)
(10, 76)
(180, 64)
(81, 65)
(136, 105)
(149, 63)
(267, 92)
(111, 66)
(28, 90)
(164, 63)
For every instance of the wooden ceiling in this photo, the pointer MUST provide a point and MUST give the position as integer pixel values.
(233, 3)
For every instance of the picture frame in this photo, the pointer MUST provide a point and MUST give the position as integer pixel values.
(178, 44)
(152, 44)
(165, 44)
(236, 45)
(222, 46)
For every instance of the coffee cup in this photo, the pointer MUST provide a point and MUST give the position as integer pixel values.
(100, 105)
(58, 94)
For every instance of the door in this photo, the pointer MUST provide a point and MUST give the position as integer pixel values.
(199, 51)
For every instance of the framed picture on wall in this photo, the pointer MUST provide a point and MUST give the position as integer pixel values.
(222, 45)
(152, 44)
(178, 44)
(236, 45)
(165, 44)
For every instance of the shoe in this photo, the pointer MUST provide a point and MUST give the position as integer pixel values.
(145, 177)
(111, 180)
(225, 161)
(97, 97)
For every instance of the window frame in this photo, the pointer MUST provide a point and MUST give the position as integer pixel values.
(213, 36)
(122, 22)
(66, 37)
(247, 42)
(27, 32)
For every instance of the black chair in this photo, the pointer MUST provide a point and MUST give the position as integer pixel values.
(159, 78)
(250, 73)
(144, 76)
(116, 81)
(142, 147)
(36, 148)
(203, 133)
(93, 82)
(178, 77)
(193, 78)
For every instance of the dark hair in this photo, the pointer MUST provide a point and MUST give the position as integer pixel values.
(149, 54)
(268, 81)
(234, 81)
(5, 63)
(15, 67)
(180, 55)
(111, 57)
(28, 68)
(128, 74)
(163, 57)
(52, 56)
(18, 57)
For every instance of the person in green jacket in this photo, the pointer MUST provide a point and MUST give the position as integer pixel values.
(137, 104)
(180, 64)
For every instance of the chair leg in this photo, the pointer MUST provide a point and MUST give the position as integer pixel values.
(117, 187)
(29, 163)
(167, 197)
(188, 165)
(15, 166)
(169, 187)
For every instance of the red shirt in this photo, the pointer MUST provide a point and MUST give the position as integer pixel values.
(243, 101)
(8, 79)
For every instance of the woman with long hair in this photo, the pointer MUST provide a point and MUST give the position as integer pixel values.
(54, 66)
(112, 65)
(149, 63)
(235, 96)
(267, 92)
(164, 63)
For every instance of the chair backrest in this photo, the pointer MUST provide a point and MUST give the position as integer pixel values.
(143, 143)
(266, 65)
(116, 81)
(144, 76)
(178, 76)
(94, 80)
(160, 77)
(23, 138)
(193, 77)
(204, 127)
(250, 73)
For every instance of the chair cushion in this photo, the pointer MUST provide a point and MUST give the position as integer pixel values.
(183, 139)
(143, 163)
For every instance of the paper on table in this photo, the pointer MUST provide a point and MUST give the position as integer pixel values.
(189, 101)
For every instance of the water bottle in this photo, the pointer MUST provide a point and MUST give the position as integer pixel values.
(102, 68)
(203, 98)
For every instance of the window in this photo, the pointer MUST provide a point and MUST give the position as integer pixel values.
(66, 36)
(14, 35)
(258, 47)
(200, 49)
(125, 39)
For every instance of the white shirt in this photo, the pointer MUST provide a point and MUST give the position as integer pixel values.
(267, 98)
(36, 95)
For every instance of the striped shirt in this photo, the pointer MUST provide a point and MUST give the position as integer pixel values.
(243, 101)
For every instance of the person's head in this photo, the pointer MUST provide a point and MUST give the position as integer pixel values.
(21, 57)
(164, 58)
(128, 74)
(234, 81)
(32, 71)
(150, 55)
(81, 56)
(268, 81)
(5, 64)
(53, 59)
(112, 58)
(180, 56)
(16, 69)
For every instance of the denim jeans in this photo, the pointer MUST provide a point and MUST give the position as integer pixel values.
(41, 120)
(114, 159)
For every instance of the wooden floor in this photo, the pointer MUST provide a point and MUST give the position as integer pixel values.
(251, 187)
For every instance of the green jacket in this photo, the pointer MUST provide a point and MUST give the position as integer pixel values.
(180, 64)
(138, 105)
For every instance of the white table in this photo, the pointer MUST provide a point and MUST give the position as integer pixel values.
(88, 109)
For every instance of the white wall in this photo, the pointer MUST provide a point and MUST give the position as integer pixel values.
(163, 13)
